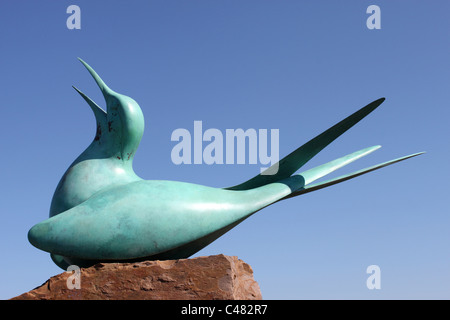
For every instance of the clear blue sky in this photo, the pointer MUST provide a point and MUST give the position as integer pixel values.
(297, 66)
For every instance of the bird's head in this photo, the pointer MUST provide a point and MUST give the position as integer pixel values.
(120, 128)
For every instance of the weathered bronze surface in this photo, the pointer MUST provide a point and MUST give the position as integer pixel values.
(102, 211)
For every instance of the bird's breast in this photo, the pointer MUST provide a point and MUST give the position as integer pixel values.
(141, 219)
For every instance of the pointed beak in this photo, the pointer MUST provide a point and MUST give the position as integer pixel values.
(101, 84)
(99, 113)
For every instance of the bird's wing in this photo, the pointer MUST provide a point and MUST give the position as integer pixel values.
(295, 160)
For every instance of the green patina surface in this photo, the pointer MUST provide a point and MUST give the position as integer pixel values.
(102, 211)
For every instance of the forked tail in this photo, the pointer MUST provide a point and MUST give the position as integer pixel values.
(327, 183)
(284, 170)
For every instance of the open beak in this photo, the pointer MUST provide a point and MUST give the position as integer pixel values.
(101, 84)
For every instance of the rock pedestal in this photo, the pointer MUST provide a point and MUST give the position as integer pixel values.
(217, 277)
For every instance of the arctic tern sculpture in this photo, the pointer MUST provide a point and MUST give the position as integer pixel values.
(102, 211)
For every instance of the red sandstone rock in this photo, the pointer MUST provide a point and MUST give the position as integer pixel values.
(217, 277)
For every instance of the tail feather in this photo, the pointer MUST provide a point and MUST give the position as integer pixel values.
(324, 169)
(324, 184)
(294, 161)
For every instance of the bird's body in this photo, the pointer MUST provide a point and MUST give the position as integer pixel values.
(145, 218)
(102, 211)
